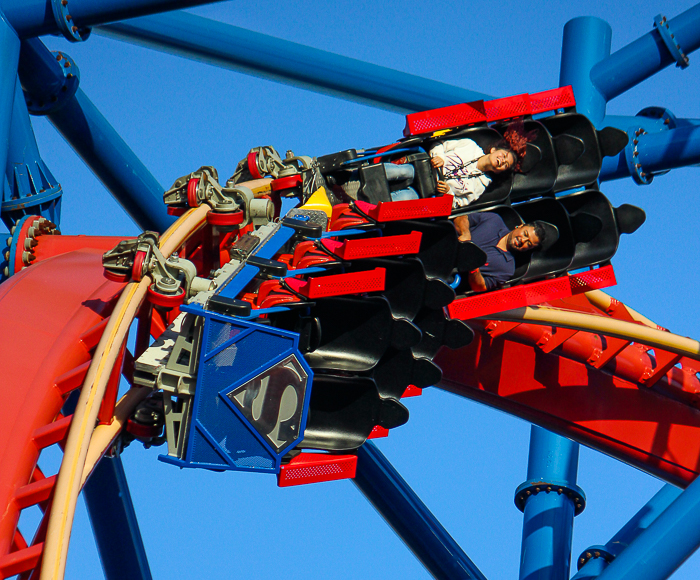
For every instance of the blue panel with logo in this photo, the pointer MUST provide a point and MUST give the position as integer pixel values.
(252, 396)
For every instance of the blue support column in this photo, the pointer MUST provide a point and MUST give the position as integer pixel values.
(32, 18)
(403, 510)
(586, 42)
(660, 549)
(31, 189)
(647, 55)
(594, 560)
(268, 57)
(50, 81)
(114, 522)
(9, 49)
(549, 500)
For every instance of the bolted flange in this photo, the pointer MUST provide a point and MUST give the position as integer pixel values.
(526, 490)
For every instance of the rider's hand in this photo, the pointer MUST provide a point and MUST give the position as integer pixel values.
(443, 188)
(437, 162)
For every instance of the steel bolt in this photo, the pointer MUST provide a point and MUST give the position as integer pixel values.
(635, 141)
(67, 64)
(69, 17)
(64, 2)
(74, 29)
(59, 57)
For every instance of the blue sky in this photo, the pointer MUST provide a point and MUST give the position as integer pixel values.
(465, 460)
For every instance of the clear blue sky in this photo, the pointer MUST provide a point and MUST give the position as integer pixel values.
(465, 460)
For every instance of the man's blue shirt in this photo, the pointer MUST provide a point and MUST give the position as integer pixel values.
(487, 229)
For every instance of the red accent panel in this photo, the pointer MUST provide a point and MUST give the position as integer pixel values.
(192, 192)
(253, 164)
(52, 433)
(339, 284)
(20, 561)
(316, 467)
(508, 107)
(412, 391)
(529, 294)
(353, 249)
(225, 219)
(445, 118)
(377, 432)
(483, 111)
(407, 210)
(561, 98)
(285, 182)
(176, 211)
(34, 493)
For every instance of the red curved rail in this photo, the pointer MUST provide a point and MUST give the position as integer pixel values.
(52, 316)
(624, 399)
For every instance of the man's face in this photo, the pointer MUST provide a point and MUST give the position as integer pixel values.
(522, 239)
(500, 160)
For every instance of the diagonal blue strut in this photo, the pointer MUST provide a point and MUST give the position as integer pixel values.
(412, 521)
(272, 58)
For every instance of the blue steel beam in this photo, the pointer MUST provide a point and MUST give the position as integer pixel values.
(591, 566)
(660, 549)
(403, 510)
(549, 499)
(52, 89)
(586, 41)
(9, 49)
(32, 18)
(31, 189)
(656, 153)
(114, 522)
(646, 56)
(275, 59)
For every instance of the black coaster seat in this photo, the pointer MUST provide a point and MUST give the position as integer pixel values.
(595, 226)
(556, 259)
(349, 334)
(344, 410)
(576, 145)
(539, 168)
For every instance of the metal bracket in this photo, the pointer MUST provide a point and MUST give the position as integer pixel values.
(141, 256)
(662, 25)
(202, 186)
(65, 23)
